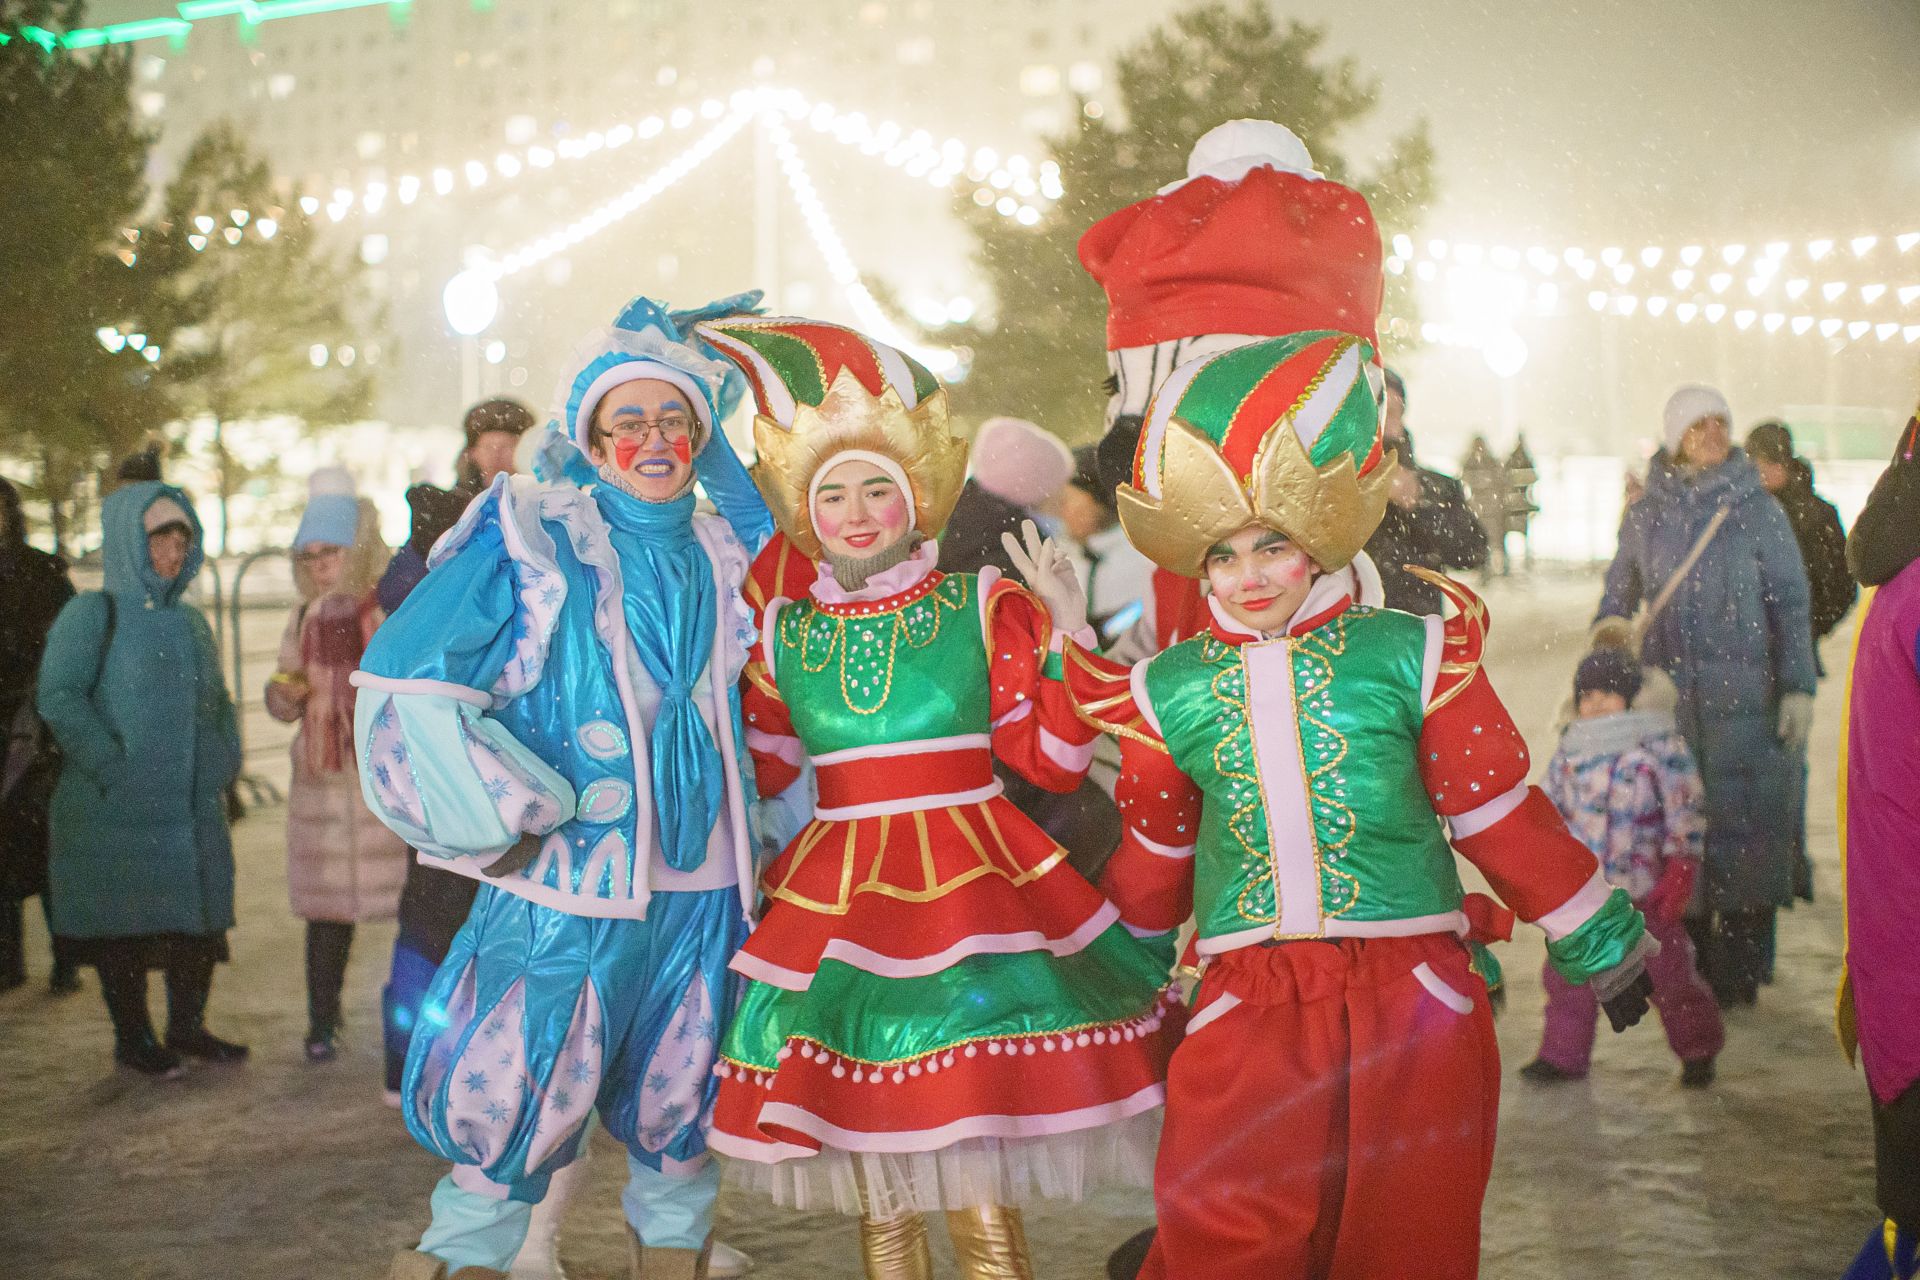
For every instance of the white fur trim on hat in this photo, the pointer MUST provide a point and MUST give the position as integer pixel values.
(893, 469)
(673, 362)
(1687, 406)
(1232, 150)
(1016, 461)
(161, 512)
(637, 371)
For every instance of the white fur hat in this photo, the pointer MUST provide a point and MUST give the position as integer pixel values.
(1687, 406)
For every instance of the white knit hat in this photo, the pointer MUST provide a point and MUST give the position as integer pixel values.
(1687, 406)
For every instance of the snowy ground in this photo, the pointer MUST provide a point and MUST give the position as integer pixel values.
(283, 1171)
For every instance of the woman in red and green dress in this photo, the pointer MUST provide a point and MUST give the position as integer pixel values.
(940, 1013)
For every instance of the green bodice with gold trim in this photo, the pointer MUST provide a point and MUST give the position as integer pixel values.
(903, 674)
(1379, 849)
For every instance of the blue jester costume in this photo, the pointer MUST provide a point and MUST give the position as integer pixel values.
(555, 711)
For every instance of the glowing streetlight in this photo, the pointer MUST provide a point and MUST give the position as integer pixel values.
(471, 300)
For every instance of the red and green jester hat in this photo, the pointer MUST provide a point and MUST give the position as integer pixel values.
(1303, 787)
(1253, 242)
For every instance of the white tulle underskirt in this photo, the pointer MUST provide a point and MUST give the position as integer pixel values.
(967, 1174)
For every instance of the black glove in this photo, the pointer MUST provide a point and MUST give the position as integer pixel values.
(1630, 1005)
(524, 850)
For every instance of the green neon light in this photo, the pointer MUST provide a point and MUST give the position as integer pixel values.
(302, 8)
(196, 10)
(125, 32)
(250, 14)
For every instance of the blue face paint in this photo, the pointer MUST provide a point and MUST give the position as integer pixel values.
(638, 411)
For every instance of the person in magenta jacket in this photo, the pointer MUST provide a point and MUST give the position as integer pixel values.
(1880, 835)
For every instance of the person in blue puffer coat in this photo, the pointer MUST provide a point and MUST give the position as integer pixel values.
(1735, 636)
(142, 861)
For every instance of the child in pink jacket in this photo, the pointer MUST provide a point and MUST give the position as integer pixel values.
(1627, 786)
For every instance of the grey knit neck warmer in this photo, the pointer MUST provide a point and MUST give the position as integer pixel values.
(852, 574)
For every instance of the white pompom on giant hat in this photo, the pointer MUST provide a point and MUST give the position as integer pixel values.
(1232, 150)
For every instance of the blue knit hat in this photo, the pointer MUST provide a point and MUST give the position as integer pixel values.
(333, 514)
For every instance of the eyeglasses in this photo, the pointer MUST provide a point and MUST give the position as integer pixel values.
(672, 427)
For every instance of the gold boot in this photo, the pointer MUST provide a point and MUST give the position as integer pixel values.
(411, 1264)
(895, 1248)
(990, 1243)
(645, 1262)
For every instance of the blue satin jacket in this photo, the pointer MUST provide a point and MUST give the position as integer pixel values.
(508, 697)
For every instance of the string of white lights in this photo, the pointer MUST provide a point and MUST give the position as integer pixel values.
(1745, 318)
(1766, 281)
(1009, 185)
(621, 206)
(1765, 262)
(472, 297)
(1019, 188)
(826, 237)
(1699, 276)
(1013, 185)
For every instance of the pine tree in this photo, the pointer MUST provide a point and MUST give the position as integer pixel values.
(73, 159)
(262, 318)
(1039, 355)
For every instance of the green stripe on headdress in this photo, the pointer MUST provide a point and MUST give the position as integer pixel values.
(794, 362)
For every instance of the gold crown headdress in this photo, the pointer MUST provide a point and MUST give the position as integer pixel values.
(823, 391)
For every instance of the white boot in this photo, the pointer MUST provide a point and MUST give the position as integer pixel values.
(727, 1262)
(540, 1256)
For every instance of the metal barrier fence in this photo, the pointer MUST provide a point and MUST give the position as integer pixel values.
(254, 787)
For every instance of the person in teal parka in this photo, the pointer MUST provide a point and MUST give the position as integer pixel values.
(141, 859)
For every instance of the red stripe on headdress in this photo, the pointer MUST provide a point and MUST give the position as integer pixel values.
(1269, 400)
(842, 349)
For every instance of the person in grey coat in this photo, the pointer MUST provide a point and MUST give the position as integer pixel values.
(1735, 636)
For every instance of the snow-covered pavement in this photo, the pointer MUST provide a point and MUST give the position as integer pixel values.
(282, 1171)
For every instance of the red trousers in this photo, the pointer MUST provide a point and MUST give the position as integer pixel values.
(1330, 1116)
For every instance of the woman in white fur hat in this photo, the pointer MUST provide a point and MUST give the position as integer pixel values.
(1709, 577)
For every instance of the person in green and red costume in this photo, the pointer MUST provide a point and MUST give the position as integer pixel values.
(1284, 777)
(941, 1014)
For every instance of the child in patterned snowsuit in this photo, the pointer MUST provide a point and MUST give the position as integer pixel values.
(1628, 787)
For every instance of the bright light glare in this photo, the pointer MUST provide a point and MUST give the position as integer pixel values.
(471, 300)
